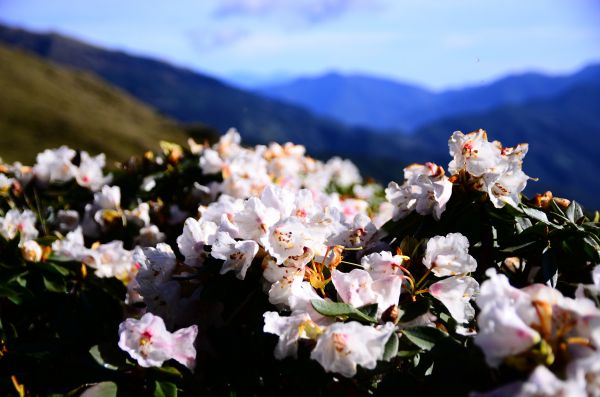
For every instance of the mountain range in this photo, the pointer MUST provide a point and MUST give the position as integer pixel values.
(556, 115)
(394, 106)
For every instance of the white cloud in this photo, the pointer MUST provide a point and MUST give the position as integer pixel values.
(309, 11)
(208, 40)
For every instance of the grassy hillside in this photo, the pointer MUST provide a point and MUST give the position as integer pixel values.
(189, 97)
(43, 105)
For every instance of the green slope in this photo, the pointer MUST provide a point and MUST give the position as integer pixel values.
(189, 97)
(43, 105)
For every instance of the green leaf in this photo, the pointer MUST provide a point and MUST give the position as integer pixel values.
(424, 337)
(522, 223)
(574, 212)
(12, 295)
(391, 347)
(108, 356)
(102, 389)
(407, 353)
(412, 310)
(53, 284)
(537, 215)
(370, 309)
(52, 268)
(169, 372)
(165, 389)
(46, 240)
(338, 309)
(515, 248)
(591, 247)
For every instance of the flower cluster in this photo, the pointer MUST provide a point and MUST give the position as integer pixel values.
(490, 167)
(222, 246)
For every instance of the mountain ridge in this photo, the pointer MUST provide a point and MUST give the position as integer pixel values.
(395, 106)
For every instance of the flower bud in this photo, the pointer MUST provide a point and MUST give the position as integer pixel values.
(31, 251)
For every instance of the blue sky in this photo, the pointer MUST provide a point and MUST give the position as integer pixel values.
(440, 44)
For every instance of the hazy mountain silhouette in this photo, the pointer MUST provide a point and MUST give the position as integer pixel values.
(390, 105)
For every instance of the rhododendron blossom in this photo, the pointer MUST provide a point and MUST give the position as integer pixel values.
(455, 293)
(344, 346)
(237, 255)
(426, 190)
(449, 255)
(148, 342)
(20, 223)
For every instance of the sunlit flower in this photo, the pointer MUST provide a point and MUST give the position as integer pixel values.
(15, 222)
(449, 255)
(286, 238)
(254, 221)
(89, 173)
(110, 260)
(426, 190)
(31, 251)
(343, 346)
(455, 293)
(289, 330)
(54, 165)
(196, 234)
(148, 342)
(358, 288)
(237, 255)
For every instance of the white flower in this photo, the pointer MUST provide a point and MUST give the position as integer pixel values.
(541, 382)
(596, 277)
(449, 255)
(254, 221)
(229, 143)
(17, 222)
(150, 236)
(357, 288)
(108, 198)
(89, 173)
(286, 238)
(55, 165)
(283, 200)
(290, 330)
(492, 168)
(586, 371)
(156, 265)
(110, 260)
(196, 234)
(140, 215)
(426, 190)
(211, 162)
(5, 182)
(382, 264)
(455, 293)
(359, 234)
(343, 346)
(505, 188)
(237, 255)
(150, 344)
(31, 251)
(503, 333)
(342, 172)
(71, 246)
(474, 154)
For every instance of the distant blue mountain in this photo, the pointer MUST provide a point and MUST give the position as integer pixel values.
(390, 105)
(563, 133)
(557, 116)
